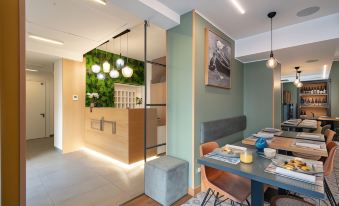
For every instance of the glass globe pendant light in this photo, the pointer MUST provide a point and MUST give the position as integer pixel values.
(114, 73)
(300, 84)
(100, 76)
(120, 61)
(95, 67)
(127, 71)
(271, 62)
(296, 81)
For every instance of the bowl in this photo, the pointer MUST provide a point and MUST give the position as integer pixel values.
(270, 153)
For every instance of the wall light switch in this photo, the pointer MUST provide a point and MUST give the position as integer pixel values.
(75, 97)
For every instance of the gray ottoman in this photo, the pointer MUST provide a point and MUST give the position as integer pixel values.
(166, 179)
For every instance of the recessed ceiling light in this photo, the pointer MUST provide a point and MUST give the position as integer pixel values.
(238, 6)
(312, 60)
(308, 11)
(103, 2)
(45, 39)
(32, 70)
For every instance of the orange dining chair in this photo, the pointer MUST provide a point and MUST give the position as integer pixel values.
(222, 184)
(284, 200)
(329, 135)
(324, 128)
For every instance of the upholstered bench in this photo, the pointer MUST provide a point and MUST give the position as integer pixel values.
(166, 179)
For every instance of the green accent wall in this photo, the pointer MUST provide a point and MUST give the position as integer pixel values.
(212, 103)
(258, 96)
(334, 76)
(105, 87)
(179, 64)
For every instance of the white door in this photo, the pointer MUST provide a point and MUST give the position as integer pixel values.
(35, 109)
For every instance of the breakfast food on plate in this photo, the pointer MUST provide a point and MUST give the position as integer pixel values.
(294, 164)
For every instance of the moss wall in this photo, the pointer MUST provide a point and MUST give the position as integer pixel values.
(105, 87)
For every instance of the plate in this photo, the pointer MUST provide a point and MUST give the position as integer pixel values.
(295, 165)
(230, 153)
(271, 130)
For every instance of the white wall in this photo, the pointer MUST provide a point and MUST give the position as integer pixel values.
(47, 77)
(58, 104)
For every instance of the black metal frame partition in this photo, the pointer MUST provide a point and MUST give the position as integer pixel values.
(146, 24)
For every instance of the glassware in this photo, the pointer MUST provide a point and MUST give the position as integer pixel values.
(246, 157)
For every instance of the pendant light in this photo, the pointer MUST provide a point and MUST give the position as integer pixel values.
(127, 71)
(300, 84)
(114, 73)
(106, 66)
(95, 67)
(120, 61)
(296, 81)
(100, 76)
(271, 62)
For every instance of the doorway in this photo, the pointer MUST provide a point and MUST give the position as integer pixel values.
(35, 109)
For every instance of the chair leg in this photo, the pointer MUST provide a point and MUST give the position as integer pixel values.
(216, 199)
(207, 194)
(329, 194)
(248, 203)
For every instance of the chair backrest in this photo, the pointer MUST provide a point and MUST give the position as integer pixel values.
(217, 129)
(208, 173)
(329, 162)
(329, 135)
(324, 128)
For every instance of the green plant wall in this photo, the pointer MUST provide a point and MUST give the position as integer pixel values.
(105, 88)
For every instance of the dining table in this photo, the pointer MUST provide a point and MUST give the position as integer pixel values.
(256, 173)
(299, 124)
(301, 135)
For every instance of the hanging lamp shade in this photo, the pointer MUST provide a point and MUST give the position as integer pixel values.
(114, 74)
(95, 68)
(300, 84)
(120, 62)
(127, 71)
(100, 76)
(106, 66)
(271, 62)
(297, 80)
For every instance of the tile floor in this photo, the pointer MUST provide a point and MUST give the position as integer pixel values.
(56, 179)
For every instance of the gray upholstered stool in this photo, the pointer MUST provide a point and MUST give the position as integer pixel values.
(166, 179)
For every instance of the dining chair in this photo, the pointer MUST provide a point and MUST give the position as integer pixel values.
(287, 200)
(329, 135)
(222, 184)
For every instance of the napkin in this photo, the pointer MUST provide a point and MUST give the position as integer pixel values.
(236, 147)
(264, 135)
(296, 175)
(308, 135)
(309, 145)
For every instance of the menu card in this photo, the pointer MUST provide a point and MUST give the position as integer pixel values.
(216, 156)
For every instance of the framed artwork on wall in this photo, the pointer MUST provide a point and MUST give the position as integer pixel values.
(218, 57)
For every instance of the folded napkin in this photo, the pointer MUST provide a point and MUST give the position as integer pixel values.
(264, 135)
(296, 175)
(309, 145)
(308, 135)
(236, 147)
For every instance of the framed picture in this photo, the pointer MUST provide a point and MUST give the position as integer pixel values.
(218, 56)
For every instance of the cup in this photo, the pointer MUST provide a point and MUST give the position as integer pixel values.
(246, 157)
(270, 153)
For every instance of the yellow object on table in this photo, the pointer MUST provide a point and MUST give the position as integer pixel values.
(246, 157)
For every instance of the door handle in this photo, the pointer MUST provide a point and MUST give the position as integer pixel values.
(43, 115)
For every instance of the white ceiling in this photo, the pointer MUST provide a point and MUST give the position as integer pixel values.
(80, 24)
(41, 62)
(297, 56)
(223, 14)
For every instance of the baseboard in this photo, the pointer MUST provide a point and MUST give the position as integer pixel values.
(194, 191)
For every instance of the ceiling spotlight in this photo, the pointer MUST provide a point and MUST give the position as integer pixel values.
(39, 38)
(308, 11)
(238, 6)
(103, 2)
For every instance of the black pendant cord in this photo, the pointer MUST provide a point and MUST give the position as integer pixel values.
(271, 36)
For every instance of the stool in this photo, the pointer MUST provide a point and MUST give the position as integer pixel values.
(166, 179)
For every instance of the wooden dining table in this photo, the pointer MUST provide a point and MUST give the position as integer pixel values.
(301, 135)
(290, 144)
(256, 173)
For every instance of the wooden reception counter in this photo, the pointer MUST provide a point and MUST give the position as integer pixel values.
(119, 133)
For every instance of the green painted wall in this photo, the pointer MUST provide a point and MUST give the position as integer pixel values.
(213, 103)
(179, 63)
(105, 87)
(334, 76)
(258, 97)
